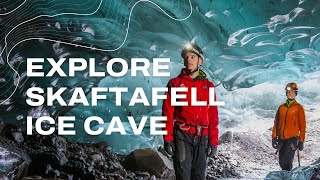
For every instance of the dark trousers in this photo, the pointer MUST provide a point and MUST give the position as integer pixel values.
(286, 153)
(190, 160)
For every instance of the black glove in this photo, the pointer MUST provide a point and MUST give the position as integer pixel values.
(300, 145)
(169, 147)
(275, 143)
(211, 150)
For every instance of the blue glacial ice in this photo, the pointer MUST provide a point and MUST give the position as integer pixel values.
(247, 44)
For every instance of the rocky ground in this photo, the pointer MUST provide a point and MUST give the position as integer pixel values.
(241, 155)
(45, 157)
(251, 152)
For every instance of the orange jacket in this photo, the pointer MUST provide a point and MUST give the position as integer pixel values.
(291, 122)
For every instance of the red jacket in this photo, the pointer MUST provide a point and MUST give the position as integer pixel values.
(195, 115)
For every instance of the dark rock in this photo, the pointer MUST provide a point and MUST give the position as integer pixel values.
(59, 143)
(2, 126)
(13, 160)
(54, 157)
(41, 160)
(32, 178)
(315, 176)
(3, 176)
(122, 173)
(143, 174)
(113, 166)
(150, 161)
(227, 137)
(95, 158)
(89, 150)
(101, 145)
(51, 172)
(12, 132)
(114, 176)
(17, 136)
(79, 169)
(131, 175)
(39, 178)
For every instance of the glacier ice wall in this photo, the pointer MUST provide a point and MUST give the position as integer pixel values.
(245, 42)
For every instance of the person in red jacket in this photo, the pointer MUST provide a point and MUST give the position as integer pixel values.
(192, 131)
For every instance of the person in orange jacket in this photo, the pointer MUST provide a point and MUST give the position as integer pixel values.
(192, 131)
(289, 128)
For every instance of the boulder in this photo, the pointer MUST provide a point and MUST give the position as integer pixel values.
(150, 161)
(59, 143)
(302, 172)
(13, 160)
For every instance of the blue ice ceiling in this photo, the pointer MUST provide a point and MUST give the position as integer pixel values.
(245, 42)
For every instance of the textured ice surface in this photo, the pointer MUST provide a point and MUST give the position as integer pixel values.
(245, 42)
(302, 172)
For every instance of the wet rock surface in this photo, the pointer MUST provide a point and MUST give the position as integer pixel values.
(316, 175)
(13, 160)
(47, 157)
(151, 161)
(43, 157)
